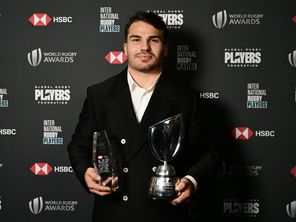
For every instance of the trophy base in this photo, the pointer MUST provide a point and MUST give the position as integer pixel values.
(162, 184)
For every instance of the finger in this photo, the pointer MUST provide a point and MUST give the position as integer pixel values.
(101, 193)
(91, 172)
(108, 180)
(180, 186)
(177, 200)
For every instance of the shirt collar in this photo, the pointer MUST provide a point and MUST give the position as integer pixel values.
(133, 85)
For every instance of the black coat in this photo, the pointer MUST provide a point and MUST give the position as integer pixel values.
(108, 106)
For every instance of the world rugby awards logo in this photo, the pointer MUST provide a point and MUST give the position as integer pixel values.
(219, 19)
(36, 205)
(34, 57)
(292, 58)
(291, 209)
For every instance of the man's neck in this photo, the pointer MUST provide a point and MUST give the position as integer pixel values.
(144, 80)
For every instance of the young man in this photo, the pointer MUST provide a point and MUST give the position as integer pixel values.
(125, 106)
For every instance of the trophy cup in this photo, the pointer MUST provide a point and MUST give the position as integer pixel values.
(165, 139)
(104, 160)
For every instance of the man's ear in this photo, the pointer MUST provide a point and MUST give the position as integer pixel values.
(125, 48)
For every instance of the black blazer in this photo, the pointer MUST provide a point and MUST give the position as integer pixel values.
(108, 106)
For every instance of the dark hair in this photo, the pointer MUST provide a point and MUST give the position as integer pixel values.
(150, 18)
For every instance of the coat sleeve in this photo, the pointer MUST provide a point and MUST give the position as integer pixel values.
(207, 160)
(80, 146)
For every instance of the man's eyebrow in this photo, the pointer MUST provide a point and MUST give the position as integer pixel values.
(150, 37)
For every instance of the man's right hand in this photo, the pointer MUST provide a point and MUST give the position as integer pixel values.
(92, 178)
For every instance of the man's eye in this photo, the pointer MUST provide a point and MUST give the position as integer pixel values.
(135, 40)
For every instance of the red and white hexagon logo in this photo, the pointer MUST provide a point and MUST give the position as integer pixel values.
(40, 19)
(116, 57)
(242, 133)
(41, 169)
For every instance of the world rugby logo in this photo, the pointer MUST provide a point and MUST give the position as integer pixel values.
(291, 209)
(36, 205)
(292, 58)
(34, 57)
(219, 19)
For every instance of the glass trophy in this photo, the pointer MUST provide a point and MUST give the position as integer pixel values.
(165, 139)
(104, 160)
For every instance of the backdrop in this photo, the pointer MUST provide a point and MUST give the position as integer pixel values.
(240, 55)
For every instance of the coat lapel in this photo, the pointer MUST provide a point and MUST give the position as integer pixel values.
(120, 106)
(160, 106)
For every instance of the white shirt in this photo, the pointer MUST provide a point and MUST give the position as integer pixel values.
(140, 96)
(140, 99)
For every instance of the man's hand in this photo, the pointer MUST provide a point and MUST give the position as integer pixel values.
(92, 178)
(185, 189)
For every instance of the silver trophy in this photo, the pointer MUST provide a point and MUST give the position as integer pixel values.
(165, 139)
(104, 160)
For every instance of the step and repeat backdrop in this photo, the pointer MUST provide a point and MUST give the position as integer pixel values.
(239, 55)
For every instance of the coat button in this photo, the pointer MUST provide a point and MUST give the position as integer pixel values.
(123, 141)
(125, 170)
(125, 198)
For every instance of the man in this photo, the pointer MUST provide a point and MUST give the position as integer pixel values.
(125, 106)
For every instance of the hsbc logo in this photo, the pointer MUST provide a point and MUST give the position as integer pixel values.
(44, 169)
(41, 169)
(42, 19)
(293, 171)
(245, 133)
(116, 57)
(242, 133)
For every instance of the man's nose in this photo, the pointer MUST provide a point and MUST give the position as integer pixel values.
(145, 46)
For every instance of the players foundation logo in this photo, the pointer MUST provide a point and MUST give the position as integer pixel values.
(245, 133)
(242, 57)
(222, 18)
(186, 58)
(108, 20)
(3, 102)
(36, 56)
(43, 19)
(246, 208)
(39, 205)
(291, 209)
(255, 96)
(116, 57)
(51, 133)
(292, 58)
(245, 171)
(174, 19)
(52, 95)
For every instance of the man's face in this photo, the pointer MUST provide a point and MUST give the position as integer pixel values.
(145, 48)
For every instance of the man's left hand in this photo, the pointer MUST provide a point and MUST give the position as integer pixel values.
(185, 189)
